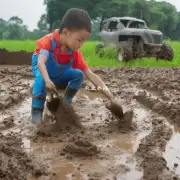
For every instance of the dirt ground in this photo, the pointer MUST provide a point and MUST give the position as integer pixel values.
(15, 58)
(142, 146)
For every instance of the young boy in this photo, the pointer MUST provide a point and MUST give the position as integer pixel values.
(57, 60)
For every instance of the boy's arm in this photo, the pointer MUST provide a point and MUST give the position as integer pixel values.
(42, 68)
(98, 83)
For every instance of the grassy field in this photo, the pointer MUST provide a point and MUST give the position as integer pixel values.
(93, 60)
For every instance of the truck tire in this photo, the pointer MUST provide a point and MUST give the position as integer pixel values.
(124, 54)
(166, 53)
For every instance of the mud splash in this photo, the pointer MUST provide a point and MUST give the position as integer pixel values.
(64, 114)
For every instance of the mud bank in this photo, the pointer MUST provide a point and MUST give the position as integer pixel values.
(169, 110)
(15, 58)
(16, 164)
(150, 151)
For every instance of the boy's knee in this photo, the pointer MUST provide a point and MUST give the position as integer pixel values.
(77, 80)
(79, 74)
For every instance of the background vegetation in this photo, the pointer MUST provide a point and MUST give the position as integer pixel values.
(158, 15)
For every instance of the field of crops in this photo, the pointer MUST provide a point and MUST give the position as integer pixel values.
(89, 54)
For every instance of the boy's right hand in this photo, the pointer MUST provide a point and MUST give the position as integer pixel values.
(50, 85)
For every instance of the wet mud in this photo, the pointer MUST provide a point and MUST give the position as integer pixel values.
(80, 147)
(150, 149)
(86, 140)
(15, 163)
(64, 114)
(13, 88)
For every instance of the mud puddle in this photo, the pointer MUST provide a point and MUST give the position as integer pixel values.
(117, 147)
(172, 152)
(116, 152)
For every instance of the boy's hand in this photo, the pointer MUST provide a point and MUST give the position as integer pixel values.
(97, 82)
(42, 68)
(50, 85)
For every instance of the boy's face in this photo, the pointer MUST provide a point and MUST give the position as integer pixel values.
(75, 39)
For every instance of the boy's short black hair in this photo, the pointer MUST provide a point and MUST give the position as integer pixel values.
(76, 19)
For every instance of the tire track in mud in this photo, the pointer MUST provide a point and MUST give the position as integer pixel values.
(158, 89)
(14, 85)
(24, 71)
(150, 150)
(167, 109)
(153, 145)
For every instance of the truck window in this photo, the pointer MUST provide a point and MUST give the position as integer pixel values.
(124, 22)
(113, 25)
(137, 24)
(104, 26)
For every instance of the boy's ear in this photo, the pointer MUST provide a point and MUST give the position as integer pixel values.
(65, 31)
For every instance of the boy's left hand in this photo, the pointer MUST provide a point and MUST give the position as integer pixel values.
(115, 107)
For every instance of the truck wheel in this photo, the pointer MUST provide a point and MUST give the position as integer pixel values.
(124, 54)
(99, 50)
(166, 53)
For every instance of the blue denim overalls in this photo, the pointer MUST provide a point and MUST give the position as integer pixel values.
(59, 74)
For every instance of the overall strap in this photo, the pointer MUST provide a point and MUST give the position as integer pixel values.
(53, 44)
(71, 53)
(71, 61)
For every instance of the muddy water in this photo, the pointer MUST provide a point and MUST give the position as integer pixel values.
(117, 149)
(172, 153)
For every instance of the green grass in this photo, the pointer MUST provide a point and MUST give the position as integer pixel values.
(93, 60)
(11, 45)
